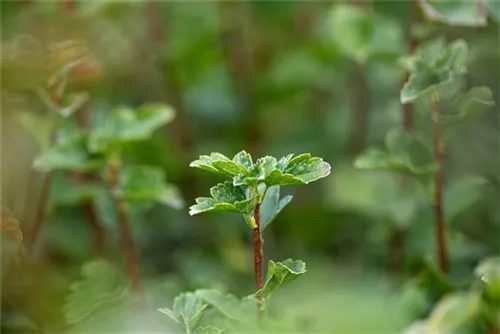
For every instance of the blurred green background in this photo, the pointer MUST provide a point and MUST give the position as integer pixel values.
(270, 77)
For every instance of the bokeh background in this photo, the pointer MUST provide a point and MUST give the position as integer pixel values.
(270, 77)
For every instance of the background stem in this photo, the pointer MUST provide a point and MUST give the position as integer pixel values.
(438, 189)
(257, 256)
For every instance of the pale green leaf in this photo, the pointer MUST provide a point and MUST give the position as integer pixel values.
(123, 125)
(489, 272)
(280, 273)
(454, 311)
(244, 159)
(456, 13)
(271, 206)
(302, 169)
(474, 102)
(40, 127)
(102, 285)
(242, 310)
(72, 102)
(147, 183)
(187, 309)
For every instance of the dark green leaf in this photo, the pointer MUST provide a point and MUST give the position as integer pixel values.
(271, 206)
(187, 309)
(280, 273)
(102, 285)
(123, 125)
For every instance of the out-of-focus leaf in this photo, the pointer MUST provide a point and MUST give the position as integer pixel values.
(40, 127)
(475, 102)
(461, 196)
(405, 153)
(147, 183)
(360, 34)
(187, 309)
(493, 9)
(454, 311)
(434, 281)
(126, 125)
(208, 330)
(66, 193)
(244, 310)
(280, 273)
(102, 286)
(72, 102)
(489, 272)
(418, 327)
(272, 205)
(225, 197)
(9, 225)
(70, 154)
(456, 13)
(435, 65)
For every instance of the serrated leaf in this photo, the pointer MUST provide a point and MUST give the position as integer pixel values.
(280, 273)
(187, 309)
(435, 65)
(271, 206)
(302, 169)
(489, 272)
(208, 330)
(454, 311)
(461, 196)
(147, 183)
(244, 159)
(123, 125)
(456, 13)
(102, 285)
(360, 34)
(72, 102)
(206, 162)
(242, 310)
(225, 197)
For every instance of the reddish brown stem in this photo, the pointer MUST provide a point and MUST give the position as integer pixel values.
(131, 253)
(99, 232)
(257, 257)
(36, 225)
(442, 253)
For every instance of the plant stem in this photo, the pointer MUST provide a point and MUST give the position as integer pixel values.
(131, 253)
(438, 188)
(257, 257)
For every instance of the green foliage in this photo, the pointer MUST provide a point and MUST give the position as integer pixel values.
(489, 273)
(280, 273)
(360, 34)
(453, 312)
(239, 310)
(434, 66)
(272, 205)
(102, 286)
(124, 125)
(474, 102)
(458, 13)
(187, 310)
(404, 153)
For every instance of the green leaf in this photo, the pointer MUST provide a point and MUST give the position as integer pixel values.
(72, 102)
(147, 183)
(454, 311)
(418, 327)
(242, 310)
(271, 206)
(302, 169)
(187, 309)
(475, 102)
(433, 280)
(280, 273)
(360, 34)
(39, 126)
(123, 125)
(494, 9)
(461, 196)
(489, 272)
(405, 153)
(435, 65)
(455, 13)
(206, 162)
(102, 285)
(69, 154)
(65, 192)
(225, 197)
(244, 159)
(208, 330)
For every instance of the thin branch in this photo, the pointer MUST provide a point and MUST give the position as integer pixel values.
(257, 257)
(442, 252)
(131, 253)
